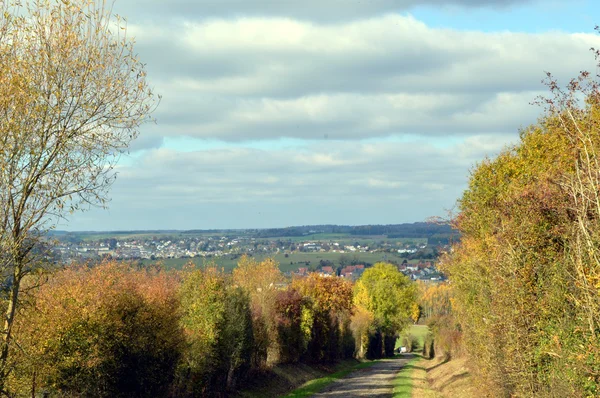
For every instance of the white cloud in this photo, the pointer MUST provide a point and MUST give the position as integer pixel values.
(381, 180)
(263, 78)
(386, 114)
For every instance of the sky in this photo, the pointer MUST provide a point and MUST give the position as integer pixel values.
(278, 113)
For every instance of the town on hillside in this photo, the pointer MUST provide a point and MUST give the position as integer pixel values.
(311, 250)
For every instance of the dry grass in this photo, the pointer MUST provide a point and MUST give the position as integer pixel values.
(436, 379)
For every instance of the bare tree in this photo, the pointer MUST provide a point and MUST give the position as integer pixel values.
(73, 95)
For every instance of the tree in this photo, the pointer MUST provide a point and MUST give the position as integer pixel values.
(203, 296)
(106, 331)
(330, 306)
(362, 327)
(217, 322)
(344, 260)
(526, 274)
(72, 97)
(388, 295)
(236, 341)
(415, 312)
(260, 280)
(291, 336)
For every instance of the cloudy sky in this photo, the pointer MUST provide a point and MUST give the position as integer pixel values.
(286, 112)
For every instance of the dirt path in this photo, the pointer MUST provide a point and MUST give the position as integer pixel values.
(374, 381)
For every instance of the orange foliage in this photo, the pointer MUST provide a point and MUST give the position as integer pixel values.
(328, 293)
(435, 299)
(88, 324)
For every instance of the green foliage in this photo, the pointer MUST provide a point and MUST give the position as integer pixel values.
(202, 297)
(410, 342)
(218, 326)
(390, 296)
(259, 280)
(447, 333)
(236, 339)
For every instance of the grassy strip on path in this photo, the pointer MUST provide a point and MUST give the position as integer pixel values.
(316, 385)
(413, 374)
(403, 383)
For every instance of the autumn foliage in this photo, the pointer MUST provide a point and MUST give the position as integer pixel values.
(526, 275)
(327, 313)
(102, 331)
(436, 309)
(116, 330)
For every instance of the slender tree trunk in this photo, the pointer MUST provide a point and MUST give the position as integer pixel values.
(33, 384)
(362, 346)
(8, 323)
(231, 378)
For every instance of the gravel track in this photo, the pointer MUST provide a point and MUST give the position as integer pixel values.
(374, 381)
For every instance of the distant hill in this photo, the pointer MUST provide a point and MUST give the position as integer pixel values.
(434, 233)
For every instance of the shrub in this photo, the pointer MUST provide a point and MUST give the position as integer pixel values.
(428, 346)
(291, 339)
(217, 321)
(107, 331)
(526, 272)
(235, 340)
(259, 280)
(410, 342)
(375, 346)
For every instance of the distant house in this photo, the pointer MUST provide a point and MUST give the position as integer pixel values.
(327, 269)
(311, 247)
(347, 274)
(348, 268)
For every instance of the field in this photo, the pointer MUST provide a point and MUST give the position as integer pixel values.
(292, 262)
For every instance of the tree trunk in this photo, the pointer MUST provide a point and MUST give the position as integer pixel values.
(8, 324)
(231, 378)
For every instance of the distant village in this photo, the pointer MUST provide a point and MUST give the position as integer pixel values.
(158, 248)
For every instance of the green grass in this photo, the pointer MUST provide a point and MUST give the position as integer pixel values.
(403, 383)
(299, 259)
(419, 332)
(314, 386)
(291, 263)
